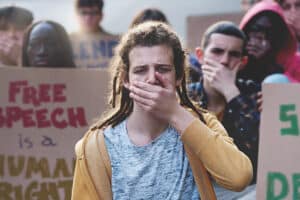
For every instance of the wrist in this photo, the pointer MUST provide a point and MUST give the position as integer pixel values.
(181, 119)
(231, 93)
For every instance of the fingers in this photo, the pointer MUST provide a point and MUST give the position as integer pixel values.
(141, 92)
(146, 86)
(144, 102)
(140, 95)
(208, 76)
(212, 63)
(236, 68)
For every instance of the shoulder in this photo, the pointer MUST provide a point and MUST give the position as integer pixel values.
(107, 35)
(80, 146)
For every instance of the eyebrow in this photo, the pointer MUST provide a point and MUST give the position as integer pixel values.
(155, 65)
(221, 49)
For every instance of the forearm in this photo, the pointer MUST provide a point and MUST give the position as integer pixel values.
(181, 119)
(228, 166)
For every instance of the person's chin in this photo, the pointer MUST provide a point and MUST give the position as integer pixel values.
(42, 64)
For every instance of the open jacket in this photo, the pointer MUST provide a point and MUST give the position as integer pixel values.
(208, 147)
(286, 56)
(240, 117)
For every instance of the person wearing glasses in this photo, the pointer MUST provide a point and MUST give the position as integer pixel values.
(92, 45)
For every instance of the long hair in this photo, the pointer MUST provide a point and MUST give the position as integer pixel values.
(146, 34)
(62, 39)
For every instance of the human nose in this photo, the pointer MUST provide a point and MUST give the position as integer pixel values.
(42, 49)
(293, 9)
(252, 40)
(151, 76)
(225, 59)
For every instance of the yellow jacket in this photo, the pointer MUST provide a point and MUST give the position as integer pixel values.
(204, 143)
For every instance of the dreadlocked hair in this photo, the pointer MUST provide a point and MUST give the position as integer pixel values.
(147, 34)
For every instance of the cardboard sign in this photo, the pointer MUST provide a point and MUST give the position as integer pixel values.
(93, 50)
(279, 145)
(197, 25)
(43, 112)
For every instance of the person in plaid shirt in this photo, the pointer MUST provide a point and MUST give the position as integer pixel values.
(232, 100)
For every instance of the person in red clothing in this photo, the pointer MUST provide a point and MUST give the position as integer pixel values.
(268, 51)
(291, 10)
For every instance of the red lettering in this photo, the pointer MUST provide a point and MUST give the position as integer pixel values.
(44, 93)
(58, 95)
(42, 121)
(27, 118)
(58, 124)
(76, 117)
(14, 88)
(13, 114)
(30, 96)
(2, 118)
(43, 118)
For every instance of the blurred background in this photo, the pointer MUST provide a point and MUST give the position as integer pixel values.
(119, 13)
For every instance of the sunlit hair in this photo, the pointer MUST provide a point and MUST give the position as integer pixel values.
(65, 47)
(147, 34)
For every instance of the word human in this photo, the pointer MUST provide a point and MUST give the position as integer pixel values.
(46, 180)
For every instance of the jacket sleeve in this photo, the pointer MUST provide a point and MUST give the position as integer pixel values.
(230, 167)
(81, 188)
(241, 120)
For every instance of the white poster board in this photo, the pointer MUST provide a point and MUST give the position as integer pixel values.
(279, 145)
(43, 112)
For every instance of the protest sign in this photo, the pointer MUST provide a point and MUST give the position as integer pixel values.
(43, 112)
(93, 50)
(279, 160)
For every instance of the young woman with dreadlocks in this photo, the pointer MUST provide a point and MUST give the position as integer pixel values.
(154, 143)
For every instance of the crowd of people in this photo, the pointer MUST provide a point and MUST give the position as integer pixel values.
(180, 126)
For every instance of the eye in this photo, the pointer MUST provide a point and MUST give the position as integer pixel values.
(217, 51)
(139, 70)
(286, 6)
(297, 5)
(163, 69)
(34, 43)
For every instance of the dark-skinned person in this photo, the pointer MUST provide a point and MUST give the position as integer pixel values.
(153, 143)
(269, 52)
(46, 44)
